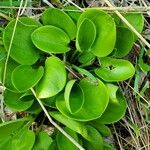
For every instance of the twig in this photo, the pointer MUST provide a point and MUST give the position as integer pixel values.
(128, 24)
(56, 125)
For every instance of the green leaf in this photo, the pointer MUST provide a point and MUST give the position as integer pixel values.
(113, 70)
(105, 31)
(103, 129)
(11, 65)
(144, 67)
(53, 146)
(23, 51)
(51, 39)
(54, 78)
(73, 12)
(86, 73)
(86, 58)
(24, 140)
(9, 128)
(43, 141)
(96, 140)
(108, 146)
(64, 143)
(136, 20)
(13, 101)
(25, 77)
(86, 35)
(50, 102)
(60, 19)
(124, 42)
(74, 101)
(95, 102)
(116, 108)
(35, 108)
(78, 127)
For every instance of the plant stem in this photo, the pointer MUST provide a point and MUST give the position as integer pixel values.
(56, 125)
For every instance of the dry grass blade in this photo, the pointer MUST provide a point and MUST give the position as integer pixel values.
(55, 125)
(7, 58)
(127, 23)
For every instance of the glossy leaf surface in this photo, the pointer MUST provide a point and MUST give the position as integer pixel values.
(60, 19)
(95, 102)
(54, 78)
(105, 31)
(113, 70)
(86, 35)
(50, 39)
(25, 77)
(23, 51)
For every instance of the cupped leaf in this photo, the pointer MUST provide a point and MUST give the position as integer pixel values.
(124, 42)
(25, 77)
(116, 108)
(42, 141)
(95, 101)
(11, 65)
(105, 31)
(60, 19)
(78, 127)
(13, 101)
(54, 78)
(50, 39)
(64, 143)
(113, 70)
(22, 50)
(136, 20)
(86, 35)
(95, 142)
(74, 97)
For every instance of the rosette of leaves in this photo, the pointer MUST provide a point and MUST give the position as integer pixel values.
(73, 61)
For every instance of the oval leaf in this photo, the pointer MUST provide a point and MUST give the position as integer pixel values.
(60, 19)
(54, 78)
(105, 31)
(95, 102)
(86, 35)
(50, 39)
(116, 108)
(8, 128)
(124, 42)
(22, 50)
(113, 70)
(25, 77)
(12, 100)
(73, 100)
